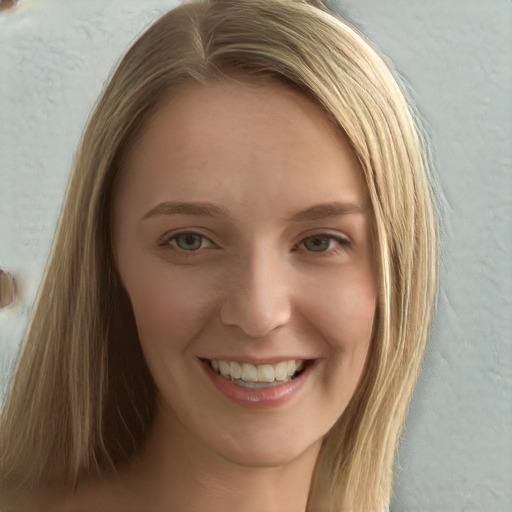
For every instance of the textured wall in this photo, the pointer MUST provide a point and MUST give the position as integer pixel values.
(456, 453)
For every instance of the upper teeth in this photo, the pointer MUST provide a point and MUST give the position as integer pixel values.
(249, 372)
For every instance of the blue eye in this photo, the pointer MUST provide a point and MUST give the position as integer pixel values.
(187, 241)
(324, 243)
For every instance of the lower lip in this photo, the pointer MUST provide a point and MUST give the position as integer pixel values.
(259, 398)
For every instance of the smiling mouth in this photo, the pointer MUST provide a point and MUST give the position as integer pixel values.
(251, 375)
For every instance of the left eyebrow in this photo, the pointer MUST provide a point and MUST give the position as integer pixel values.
(331, 209)
(184, 208)
(315, 212)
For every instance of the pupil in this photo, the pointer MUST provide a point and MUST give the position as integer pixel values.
(189, 242)
(317, 243)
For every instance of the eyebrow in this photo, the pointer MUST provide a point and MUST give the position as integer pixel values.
(184, 208)
(315, 212)
(325, 210)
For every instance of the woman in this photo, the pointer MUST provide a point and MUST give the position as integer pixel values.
(239, 292)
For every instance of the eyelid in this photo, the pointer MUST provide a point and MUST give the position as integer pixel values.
(165, 239)
(341, 239)
(326, 233)
(343, 242)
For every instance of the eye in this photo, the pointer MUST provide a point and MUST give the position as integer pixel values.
(324, 243)
(187, 241)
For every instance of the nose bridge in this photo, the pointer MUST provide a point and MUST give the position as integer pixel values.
(258, 296)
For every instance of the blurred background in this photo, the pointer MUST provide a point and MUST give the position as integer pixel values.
(456, 59)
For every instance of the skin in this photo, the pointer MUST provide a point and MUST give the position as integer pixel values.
(254, 288)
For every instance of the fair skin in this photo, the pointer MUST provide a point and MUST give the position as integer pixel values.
(271, 265)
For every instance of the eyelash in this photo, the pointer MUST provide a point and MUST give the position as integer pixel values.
(167, 239)
(342, 243)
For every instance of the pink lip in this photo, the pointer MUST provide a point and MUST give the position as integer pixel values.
(244, 358)
(259, 398)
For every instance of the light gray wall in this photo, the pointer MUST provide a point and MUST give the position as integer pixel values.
(456, 452)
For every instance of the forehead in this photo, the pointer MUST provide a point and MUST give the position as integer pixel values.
(226, 140)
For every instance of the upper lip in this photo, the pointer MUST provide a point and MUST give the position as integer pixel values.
(258, 360)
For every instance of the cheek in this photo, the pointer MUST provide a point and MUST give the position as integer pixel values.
(344, 310)
(167, 306)
(343, 315)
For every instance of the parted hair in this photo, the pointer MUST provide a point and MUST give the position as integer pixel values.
(82, 400)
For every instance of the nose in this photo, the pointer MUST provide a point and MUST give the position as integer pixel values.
(258, 296)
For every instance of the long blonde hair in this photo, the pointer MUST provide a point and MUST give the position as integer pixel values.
(82, 400)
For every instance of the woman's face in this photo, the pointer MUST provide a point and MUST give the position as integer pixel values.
(242, 236)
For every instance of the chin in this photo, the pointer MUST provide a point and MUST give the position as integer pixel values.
(264, 451)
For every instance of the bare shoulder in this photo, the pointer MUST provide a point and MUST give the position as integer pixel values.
(93, 496)
(87, 498)
(114, 494)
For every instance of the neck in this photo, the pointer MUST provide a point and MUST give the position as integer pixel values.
(183, 474)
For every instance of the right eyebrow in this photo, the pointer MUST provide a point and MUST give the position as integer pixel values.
(324, 210)
(185, 208)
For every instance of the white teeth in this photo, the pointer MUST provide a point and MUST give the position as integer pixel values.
(280, 370)
(265, 373)
(235, 370)
(224, 368)
(247, 373)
